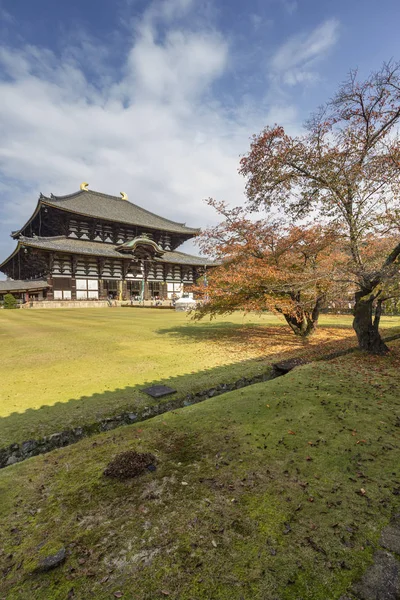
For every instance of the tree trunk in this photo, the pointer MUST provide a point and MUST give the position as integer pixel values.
(301, 324)
(367, 328)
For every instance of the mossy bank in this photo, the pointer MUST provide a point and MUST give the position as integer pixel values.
(275, 491)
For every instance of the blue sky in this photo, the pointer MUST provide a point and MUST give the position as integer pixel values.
(159, 99)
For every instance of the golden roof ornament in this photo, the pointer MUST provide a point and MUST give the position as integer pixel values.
(124, 196)
(84, 186)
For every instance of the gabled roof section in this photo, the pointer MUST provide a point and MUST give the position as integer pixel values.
(18, 285)
(113, 208)
(68, 245)
(141, 241)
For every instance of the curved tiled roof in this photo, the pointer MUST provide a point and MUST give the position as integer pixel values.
(74, 246)
(112, 208)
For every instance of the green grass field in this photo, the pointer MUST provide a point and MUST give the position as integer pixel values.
(276, 491)
(62, 368)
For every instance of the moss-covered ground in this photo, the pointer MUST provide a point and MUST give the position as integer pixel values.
(64, 368)
(276, 491)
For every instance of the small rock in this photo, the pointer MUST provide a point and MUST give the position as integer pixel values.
(51, 562)
(28, 446)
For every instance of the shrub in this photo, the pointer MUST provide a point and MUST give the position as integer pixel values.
(10, 301)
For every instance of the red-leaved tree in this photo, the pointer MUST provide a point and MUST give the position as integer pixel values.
(289, 270)
(345, 171)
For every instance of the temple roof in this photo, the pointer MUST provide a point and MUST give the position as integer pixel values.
(110, 208)
(74, 246)
(18, 285)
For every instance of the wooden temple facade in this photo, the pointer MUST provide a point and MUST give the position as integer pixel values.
(93, 246)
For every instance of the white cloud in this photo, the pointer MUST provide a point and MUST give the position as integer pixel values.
(294, 62)
(167, 10)
(157, 131)
(5, 17)
(290, 6)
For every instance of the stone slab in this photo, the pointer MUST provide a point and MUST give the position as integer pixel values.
(286, 366)
(381, 581)
(390, 537)
(158, 391)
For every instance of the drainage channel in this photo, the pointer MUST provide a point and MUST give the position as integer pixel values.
(18, 452)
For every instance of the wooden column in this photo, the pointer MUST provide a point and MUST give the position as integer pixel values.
(164, 290)
(50, 293)
(73, 288)
(102, 290)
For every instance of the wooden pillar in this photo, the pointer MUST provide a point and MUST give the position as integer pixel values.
(164, 290)
(146, 291)
(124, 289)
(50, 293)
(102, 290)
(73, 288)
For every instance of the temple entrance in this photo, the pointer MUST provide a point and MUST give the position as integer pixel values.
(111, 288)
(155, 290)
(134, 289)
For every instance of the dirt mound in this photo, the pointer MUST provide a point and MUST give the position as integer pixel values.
(130, 464)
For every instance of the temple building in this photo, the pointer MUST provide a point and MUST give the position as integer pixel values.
(93, 246)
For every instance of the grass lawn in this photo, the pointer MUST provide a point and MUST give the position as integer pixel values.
(63, 368)
(276, 491)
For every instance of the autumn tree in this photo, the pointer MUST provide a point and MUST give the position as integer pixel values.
(345, 171)
(268, 266)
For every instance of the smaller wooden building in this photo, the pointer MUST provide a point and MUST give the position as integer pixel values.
(24, 291)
